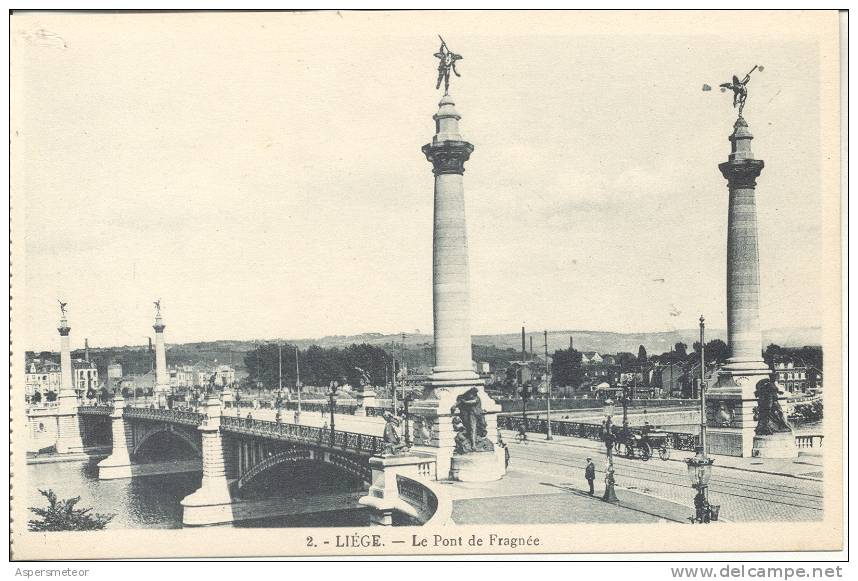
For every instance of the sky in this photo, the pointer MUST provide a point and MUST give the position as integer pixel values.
(261, 174)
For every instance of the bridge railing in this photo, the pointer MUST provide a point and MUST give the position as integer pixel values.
(184, 417)
(808, 440)
(676, 440)
(337, 440)
(95, 410)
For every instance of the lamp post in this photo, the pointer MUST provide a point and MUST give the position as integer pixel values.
(332, 394)
(525, 393)
(297, 385)
(702, 387)
(548, 435)
(610, 494)
(237, 401)
(699, 472)
(405, 401)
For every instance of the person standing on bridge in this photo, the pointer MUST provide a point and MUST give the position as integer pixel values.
(590, 474)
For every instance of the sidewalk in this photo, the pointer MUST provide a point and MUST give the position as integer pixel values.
(523, 497)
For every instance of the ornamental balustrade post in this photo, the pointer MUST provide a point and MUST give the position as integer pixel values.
(212, 502)
(118, 464)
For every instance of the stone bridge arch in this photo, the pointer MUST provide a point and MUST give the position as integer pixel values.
(350, 464)
(144, 432)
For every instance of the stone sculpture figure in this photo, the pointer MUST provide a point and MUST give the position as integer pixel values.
(157, 307)
(62, 307)
(770, 416)
(447, 63)
(469, 411)
(740, 89)
(393, 443)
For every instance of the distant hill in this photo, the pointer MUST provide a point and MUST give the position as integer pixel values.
(232, 352)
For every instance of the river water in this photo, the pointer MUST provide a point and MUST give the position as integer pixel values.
(151, 501)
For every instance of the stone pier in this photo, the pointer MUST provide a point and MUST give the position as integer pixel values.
(118, 464)
(453, 372)
(212, 503)
(731, 402)
(69, 440)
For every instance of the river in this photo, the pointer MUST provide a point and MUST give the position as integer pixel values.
(151, 501)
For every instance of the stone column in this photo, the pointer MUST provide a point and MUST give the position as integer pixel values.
(162, 378)
(118, 464)
(212, 502)
(68, 427)
(453, 371)
(731, 402)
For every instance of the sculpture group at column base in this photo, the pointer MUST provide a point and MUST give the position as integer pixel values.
(478, 466)
(779, 445)
(433, 419)
(730, 409)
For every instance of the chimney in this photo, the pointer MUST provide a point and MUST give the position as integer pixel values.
(86, 350)
(531, 346)
(150, 344)
(523, 350)
(571, 345)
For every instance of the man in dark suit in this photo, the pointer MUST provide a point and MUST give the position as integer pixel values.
(590, 474)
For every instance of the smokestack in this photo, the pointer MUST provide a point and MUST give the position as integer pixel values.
(531, 346)
(571, 346)
(86, 350)
(523, 350)
(150, 344)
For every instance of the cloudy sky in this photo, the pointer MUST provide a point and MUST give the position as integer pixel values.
(262, 173)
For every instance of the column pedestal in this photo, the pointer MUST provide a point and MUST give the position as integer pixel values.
(730, 407)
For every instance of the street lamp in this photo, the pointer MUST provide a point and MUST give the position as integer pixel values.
(610, 495)
(699, 473)
(332, 396)
(405, 401)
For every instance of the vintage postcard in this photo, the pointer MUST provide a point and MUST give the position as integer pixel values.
(250, 318)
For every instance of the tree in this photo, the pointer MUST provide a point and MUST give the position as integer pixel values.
(126, 392)
(681, 349)
(61, 515)
(627, 361)
(566, 368)
(642, 357)
(104, 394)
(90, 393)
(51, 396)
(37, 397)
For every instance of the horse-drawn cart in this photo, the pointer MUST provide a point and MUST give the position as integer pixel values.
(641, 443)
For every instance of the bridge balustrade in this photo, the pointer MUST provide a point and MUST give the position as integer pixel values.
(338, 440)
(95, 410)
(184, 417)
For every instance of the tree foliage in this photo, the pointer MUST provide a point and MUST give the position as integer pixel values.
(319, 366)
(642, 356)
(566, 368)
(62, 515)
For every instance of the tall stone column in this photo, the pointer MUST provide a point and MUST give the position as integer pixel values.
(162, 378)
(212, 502)
(118, 464)
(453, 372)
(731, 402)
(68, 426)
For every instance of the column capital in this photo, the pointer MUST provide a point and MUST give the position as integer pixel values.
(64, 330)
(741, 173)
(159, 327)
(448, 157)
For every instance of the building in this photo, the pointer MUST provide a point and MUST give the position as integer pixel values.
(792, 378)
(84, 376)
(42, 376)
(591, 358)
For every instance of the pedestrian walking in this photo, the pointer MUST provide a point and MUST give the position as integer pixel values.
(590, 474)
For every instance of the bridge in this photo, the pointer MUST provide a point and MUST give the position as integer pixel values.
(245, 462)
(237, 457)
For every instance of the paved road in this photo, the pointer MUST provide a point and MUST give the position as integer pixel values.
(743, 495)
